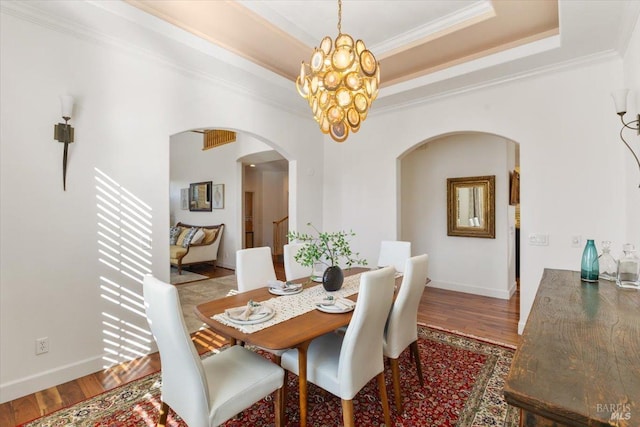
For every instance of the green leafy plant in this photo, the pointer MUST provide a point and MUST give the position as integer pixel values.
(328, 248)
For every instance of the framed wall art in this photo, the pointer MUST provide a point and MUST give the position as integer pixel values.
(184, 198)
(514, 188)
(200, 197)
(218, 196)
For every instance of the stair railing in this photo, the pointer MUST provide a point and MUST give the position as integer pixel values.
(280, 230)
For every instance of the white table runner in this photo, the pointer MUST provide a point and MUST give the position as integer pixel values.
(290, 306)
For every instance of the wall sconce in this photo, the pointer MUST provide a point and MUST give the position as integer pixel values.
(620, 100)
(63, 132)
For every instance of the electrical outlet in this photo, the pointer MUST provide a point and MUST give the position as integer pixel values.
(42, 345)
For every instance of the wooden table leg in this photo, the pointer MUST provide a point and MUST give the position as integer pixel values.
(302, 378)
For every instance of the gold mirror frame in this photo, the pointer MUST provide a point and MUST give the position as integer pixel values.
(484, 220)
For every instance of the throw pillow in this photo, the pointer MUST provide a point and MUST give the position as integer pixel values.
(187, 238)
(209, 235)
(183, 233)
(198, 237)
(174, 232)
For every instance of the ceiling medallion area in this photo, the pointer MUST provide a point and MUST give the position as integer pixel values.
(340, 83)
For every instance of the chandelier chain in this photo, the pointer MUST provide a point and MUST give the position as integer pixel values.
(339, 17)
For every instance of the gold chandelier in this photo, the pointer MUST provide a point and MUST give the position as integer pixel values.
(340, 83)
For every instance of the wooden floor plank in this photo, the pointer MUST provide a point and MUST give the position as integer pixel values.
(489, 318)
(90, 385)
(6, 415)
(71, 392)
(26, 409)
(49, 400)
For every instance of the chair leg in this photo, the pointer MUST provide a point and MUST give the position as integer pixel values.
(416, 357)
(285, 394)
(395, 375)
(278, 406)
(164, 411)
(347, 413)
(383, 398)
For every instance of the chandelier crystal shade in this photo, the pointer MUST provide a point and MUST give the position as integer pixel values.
(340, 83)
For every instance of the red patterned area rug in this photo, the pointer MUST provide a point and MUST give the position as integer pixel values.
(463, 376)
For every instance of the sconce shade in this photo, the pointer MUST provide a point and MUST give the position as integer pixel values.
(620, 100)
(66, 101)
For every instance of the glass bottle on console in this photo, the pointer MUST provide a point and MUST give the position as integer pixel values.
(628, 268)
(589, 269)
(607, 263)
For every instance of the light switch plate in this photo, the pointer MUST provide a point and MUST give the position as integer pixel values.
(576, 241)
(539, 239)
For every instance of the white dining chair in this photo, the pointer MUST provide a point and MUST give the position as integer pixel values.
(254, 267)
(204, 392)
(394, 253)
(401, 330)
(293, 269)
(344, 364)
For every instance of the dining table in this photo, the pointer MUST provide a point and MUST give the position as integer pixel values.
(294, 332)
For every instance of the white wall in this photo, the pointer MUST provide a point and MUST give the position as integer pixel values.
(465, 264)
(274, 203)
(252, 183)
(569, 157)
(270, 201)
(128, 104)
(631, 68)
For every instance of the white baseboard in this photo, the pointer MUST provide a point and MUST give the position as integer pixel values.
(227, 266)
(512, 289)
(21, 387)
(521, 324)
(471, 289)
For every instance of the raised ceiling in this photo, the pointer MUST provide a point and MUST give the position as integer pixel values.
(409, 38)
(427, 49)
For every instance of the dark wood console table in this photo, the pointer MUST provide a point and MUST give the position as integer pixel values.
(578, 363)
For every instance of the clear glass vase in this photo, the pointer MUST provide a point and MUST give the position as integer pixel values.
(607, 263)
(589, 269)
(628, 275)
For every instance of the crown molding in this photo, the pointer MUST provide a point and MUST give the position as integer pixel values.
(583, 61)
(472, 14)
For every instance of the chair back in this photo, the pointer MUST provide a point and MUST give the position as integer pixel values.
(402, 325)
(361, 352)
(254, 267)
(394, 253)
(184, 385)
(292, 269)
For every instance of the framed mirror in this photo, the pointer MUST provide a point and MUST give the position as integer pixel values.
(471, 206)
(200, 197)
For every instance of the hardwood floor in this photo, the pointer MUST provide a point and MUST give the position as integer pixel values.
(484, 317)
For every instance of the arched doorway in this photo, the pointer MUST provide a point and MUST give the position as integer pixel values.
(466, 264)
(224, 166)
